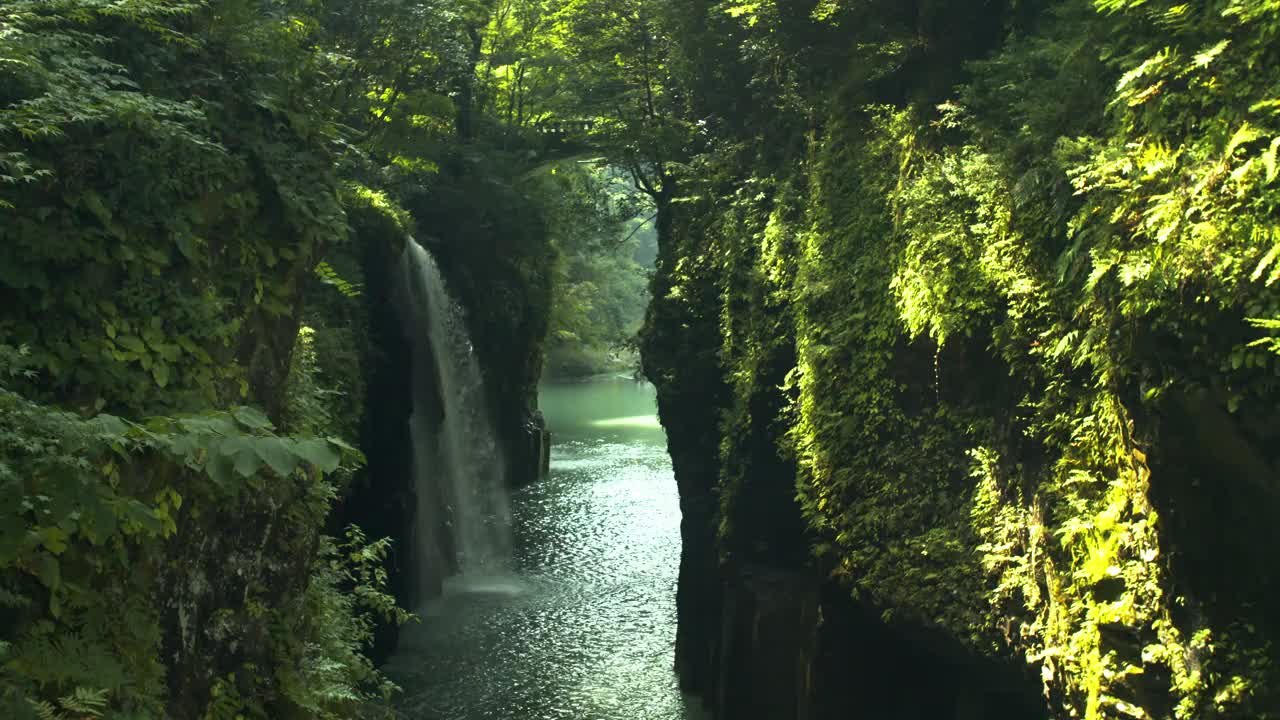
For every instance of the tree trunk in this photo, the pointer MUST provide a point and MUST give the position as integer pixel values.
(465, 124)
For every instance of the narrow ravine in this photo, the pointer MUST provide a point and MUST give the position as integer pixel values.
(583, 626)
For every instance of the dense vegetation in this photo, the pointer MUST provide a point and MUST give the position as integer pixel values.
(967, 307)
(601, 279)
(194, 199)
(986, 287)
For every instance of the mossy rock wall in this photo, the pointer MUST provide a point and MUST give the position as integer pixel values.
(972, 369)
(163, 286)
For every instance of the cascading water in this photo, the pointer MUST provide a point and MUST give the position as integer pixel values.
(462, 521)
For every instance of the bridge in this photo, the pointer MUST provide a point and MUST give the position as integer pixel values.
(564, 127)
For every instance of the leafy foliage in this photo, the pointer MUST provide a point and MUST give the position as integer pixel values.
(168, 188)
(90, 505)
(600, 284)
(346, 598)
(1010, 324)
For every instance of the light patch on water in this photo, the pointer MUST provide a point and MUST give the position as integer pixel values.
(635, 421)
(485, 585)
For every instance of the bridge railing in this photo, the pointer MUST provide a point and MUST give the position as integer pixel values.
(564, 127)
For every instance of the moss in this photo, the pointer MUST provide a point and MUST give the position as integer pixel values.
(1001, 347)
(881, 453)
(1056, 552)
(680, 352)
(375, 214)
(759, 519)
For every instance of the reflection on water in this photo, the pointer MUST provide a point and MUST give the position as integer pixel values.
(636, 421)
(584, 628)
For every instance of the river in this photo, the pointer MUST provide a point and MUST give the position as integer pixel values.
(583, 627)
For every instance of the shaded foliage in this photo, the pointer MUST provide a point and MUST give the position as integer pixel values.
(1010, 317)
(601, 282)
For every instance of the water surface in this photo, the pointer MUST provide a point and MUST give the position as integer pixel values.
(583, 628)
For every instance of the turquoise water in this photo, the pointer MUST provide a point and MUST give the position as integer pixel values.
(584, 626)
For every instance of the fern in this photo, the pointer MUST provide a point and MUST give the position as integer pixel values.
(329, 276)
(81, 704)
(1271, 342)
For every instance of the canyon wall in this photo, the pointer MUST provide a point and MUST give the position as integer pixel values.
(968, 414)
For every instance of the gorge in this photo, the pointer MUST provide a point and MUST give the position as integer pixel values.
(663, 359)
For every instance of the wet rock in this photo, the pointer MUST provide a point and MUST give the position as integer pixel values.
(768, 642)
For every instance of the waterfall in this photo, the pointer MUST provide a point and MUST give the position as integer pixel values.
(462, 519)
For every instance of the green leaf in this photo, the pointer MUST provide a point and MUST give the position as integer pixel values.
(246, 451)
(160, 371)
(53, 539)
(1263, 264)
(1269, 158)
(109, 425)
(186, 246)
(220, 468)
(214, 423)
(1245, 134)
(132, 343)
(1208, 55)
(319, 453)
(102, 521)
(277, 453)
(49, 571)
(350, 450)
(153, 336)
(144, 516)
(252, 418)
(94, 202)
(247, 463)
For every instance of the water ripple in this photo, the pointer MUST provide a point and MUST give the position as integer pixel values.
(585, 626)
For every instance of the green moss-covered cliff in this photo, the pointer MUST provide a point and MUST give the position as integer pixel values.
(968, 325)
(202, 374)
(163, 536)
